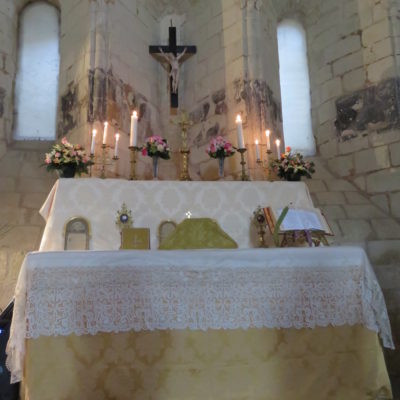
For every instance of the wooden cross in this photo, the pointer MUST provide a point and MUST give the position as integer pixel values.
(171, 57)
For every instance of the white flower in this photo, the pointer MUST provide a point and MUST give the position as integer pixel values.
(160, 147)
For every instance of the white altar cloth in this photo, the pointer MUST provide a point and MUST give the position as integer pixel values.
(230, 203)
(90, 292)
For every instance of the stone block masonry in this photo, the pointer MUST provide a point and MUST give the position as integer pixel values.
(24, 186)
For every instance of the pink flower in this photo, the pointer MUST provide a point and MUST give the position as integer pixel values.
(57, 154)
(64, 140)
(47, 161)
(144, 151)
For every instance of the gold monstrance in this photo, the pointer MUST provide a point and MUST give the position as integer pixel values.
(184, 123)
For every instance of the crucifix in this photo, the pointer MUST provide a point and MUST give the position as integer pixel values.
(171, 57)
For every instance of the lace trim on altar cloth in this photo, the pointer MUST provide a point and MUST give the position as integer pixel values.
(165, 291)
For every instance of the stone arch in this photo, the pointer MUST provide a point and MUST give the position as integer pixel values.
(21, 4)
(291, 9)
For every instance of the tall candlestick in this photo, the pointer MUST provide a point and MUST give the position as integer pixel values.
(134, 126)
(94, 133)
(267, 134)
(278, 147)
(116, 145)
(257, 150)
(240, 139)
(105, 132)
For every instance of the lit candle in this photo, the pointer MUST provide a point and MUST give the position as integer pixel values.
(278, 147)
(257, 151)
(267, 134)
(105, 132)
(116, 145)
(94, 133)
(134, 125)
(240, 139)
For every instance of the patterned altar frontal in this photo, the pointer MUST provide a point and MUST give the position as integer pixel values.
(341, 363)
(231, 204)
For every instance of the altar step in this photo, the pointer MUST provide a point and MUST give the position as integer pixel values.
(7, 391)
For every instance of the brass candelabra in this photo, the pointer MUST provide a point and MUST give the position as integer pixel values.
(266, 166)
(103, 161)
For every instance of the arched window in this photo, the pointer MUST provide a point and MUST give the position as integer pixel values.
(295, 87)
(36, 87)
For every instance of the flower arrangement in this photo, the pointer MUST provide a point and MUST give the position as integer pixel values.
(220, 148)
(292, 167)
(156, 146)
(66, 155)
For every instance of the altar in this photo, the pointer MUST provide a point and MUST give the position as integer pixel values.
(295, 323)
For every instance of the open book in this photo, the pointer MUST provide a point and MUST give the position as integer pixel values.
(296, 219)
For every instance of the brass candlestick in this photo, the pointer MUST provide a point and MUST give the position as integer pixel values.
(243, 176)
(185, 165)
(133, 150)
(268, 172)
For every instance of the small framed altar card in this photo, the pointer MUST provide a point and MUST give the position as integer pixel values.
(135, 239)
(77, 234)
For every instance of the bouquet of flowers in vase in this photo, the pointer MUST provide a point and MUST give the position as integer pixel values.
(292, 167)
(220, 148)
(156, 146)
(67, 159)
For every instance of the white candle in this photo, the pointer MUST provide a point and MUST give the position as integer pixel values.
(240, 139)
(257, 151)
(278, 147)
(267, 134)
(105, 132)
(94, 133)
(116, 145)
(134, 125)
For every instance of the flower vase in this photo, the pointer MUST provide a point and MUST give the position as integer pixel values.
(221, 161)
(293, 177)
(155, 167)
(67, 171)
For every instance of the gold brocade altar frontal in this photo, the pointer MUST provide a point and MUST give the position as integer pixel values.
(254, 364)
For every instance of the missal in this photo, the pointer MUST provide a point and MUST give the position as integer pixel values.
(296, 219)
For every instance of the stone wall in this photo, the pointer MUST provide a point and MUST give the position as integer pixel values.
(355, 111)
(24, 185)
(8, 40)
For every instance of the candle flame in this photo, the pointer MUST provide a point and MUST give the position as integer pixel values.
(117, 137)
(278, 142)
(134, 114)
(106, 123)
(238, 118)
(94, 132)
(267, 132)
(256, 141)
